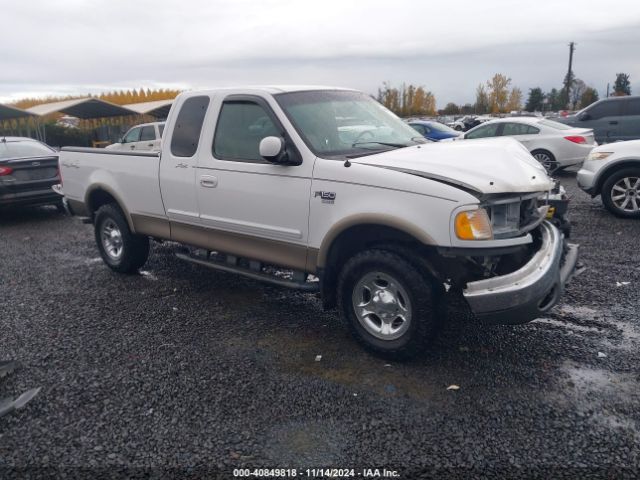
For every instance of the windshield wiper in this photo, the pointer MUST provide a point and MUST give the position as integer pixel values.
(386, 144)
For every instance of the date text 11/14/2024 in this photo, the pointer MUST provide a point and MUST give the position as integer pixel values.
(315, 473)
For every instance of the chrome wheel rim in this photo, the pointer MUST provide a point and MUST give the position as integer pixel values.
(625, 194)
(111, 239)
(382, 305)
(545, 160)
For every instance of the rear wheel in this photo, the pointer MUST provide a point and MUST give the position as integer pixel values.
(621, 193)
(390, 306)
(120, 249)
(547, 160)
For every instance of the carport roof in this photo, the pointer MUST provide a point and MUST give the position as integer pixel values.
(157, 108)
(82, 108)
(7, 112)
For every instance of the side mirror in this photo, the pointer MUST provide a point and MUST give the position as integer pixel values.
(272, 150)
(585, 116)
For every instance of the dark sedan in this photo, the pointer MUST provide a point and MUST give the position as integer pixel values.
(28, 170)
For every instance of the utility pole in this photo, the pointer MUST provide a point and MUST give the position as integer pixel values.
(607, 89)
(569, 79)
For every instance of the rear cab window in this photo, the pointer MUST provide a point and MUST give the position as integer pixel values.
(186, 132)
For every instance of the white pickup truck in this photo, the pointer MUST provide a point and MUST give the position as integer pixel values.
(387, 228)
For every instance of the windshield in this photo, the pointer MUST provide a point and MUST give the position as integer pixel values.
(23, 149)
(556, 125)
(337, 124)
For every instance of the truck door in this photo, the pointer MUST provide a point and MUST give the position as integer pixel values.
(178, 161)
(258, 209)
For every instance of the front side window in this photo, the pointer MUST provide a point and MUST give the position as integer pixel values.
(484, 131)
(608, 108)
(240, 128)
(132, 135)
(161, 129)
(186, 132)
(339, 124)
(147, 133)
(518, 129)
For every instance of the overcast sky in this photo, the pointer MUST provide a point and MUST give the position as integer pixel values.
(80, 46)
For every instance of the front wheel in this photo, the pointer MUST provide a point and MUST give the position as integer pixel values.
(121, 250)
(389, 305)
(621, 193)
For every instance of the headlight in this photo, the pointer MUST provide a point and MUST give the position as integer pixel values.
(473, 225)
(598, 155)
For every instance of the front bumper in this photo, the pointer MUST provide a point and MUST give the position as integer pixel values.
(527, 293)
(587, 180)
(29, 198)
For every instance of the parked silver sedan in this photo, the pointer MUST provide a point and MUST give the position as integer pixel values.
(555, 145)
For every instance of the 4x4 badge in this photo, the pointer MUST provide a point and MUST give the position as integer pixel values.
(326, 197)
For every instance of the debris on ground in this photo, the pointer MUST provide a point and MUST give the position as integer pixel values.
(602, 355)
(453, 387)
(318, 358)
(7, 405)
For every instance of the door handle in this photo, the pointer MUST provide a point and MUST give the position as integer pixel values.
(132, 147)
(181, 165)
(613, 122)
(208, 181)
(149, 144)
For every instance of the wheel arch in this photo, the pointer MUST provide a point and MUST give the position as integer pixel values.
(356, 234)
(613, 168)
(100, 195)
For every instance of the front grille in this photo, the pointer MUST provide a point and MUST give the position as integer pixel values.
(513, 217)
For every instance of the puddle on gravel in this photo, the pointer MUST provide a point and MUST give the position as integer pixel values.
(356, 370)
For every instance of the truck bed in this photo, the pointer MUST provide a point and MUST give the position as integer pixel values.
(130, 177)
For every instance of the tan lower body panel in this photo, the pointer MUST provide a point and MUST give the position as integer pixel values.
(152, 226)
(285, 254)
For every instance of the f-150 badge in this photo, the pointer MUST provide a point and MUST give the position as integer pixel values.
(326, 197)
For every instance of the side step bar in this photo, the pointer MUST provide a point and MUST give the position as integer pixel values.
(255, 275)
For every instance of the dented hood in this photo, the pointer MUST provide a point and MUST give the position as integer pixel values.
(500, 165)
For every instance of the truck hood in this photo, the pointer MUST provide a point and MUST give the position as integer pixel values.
(500, 165)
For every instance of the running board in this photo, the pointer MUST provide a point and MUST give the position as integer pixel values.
(255, 275)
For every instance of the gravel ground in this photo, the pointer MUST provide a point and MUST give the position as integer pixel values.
(192, 372)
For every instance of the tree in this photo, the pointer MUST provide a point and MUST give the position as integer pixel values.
(498, 88)
(622, 86)
(467, 109)
(589, 96)
(451, 109)
(554, 100)
(535, 102)
(578, 89)
(515, 100)
(482, 100)
(410, 100)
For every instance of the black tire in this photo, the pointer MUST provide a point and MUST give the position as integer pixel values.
(607, 193)
(550, 164)
(134, 248)
(423, 300)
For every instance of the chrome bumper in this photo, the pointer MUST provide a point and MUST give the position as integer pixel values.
(527, 293)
